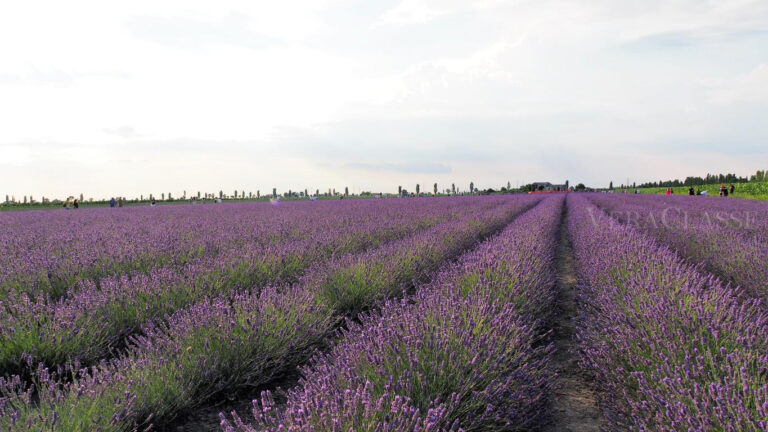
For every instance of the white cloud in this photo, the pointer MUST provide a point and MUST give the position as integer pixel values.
(749, 87)
(15, 155)
(122, 131)
(200, 95)
(411, 12)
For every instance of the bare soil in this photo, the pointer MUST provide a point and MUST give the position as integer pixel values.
(574, 405)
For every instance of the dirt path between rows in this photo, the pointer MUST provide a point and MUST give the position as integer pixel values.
(574, 405)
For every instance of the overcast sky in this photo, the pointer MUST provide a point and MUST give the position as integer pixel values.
(126, 98)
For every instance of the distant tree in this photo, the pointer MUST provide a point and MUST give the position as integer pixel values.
(221, 194)
(170, 198)
(418, 188)
(400, 190)
(258, 193)
(471, 187)
(580, 187)
(509, 186)
(346, 191)
(453, 188)
(7, 199)
(274, 192)
(317, 192)
(610, 186)
(162, 196)
(81, 197)
(435, 188)
(566, 184)
(306, 194)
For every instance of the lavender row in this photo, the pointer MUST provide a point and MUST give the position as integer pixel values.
(671, 348)
(730, 237)
(222, 344)
(51, 252)
(88, 323)
(463, 353)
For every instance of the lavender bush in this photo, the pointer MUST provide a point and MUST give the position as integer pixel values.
(50, 252)
(671, 347)
(222, 344)
(463, 353)
(728, 236)
(93, 319)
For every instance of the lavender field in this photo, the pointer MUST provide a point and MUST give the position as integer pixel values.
(470, 313)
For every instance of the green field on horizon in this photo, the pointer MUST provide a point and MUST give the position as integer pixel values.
(751, 190)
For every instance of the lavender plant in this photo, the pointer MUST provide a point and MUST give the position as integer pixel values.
(93, 320)
(464, 353)
(218, 345)
(671, 348)
(729, 237)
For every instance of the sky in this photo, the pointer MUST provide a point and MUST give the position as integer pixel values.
(111, 98)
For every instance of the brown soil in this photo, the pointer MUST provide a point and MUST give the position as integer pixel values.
(574, 405)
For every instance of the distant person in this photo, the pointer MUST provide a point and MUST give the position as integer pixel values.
(722, 190)
(153, 203)
(725, 192)
(119, 202)
(732, 188)
(698, 191)
(112, 202)
(64, 205)
(75, 204)
(691, 191)
(668, 191)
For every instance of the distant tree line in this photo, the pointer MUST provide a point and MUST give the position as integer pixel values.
(699, 181)
(758, 176)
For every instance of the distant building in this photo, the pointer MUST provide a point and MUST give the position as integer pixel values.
(547, 186)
